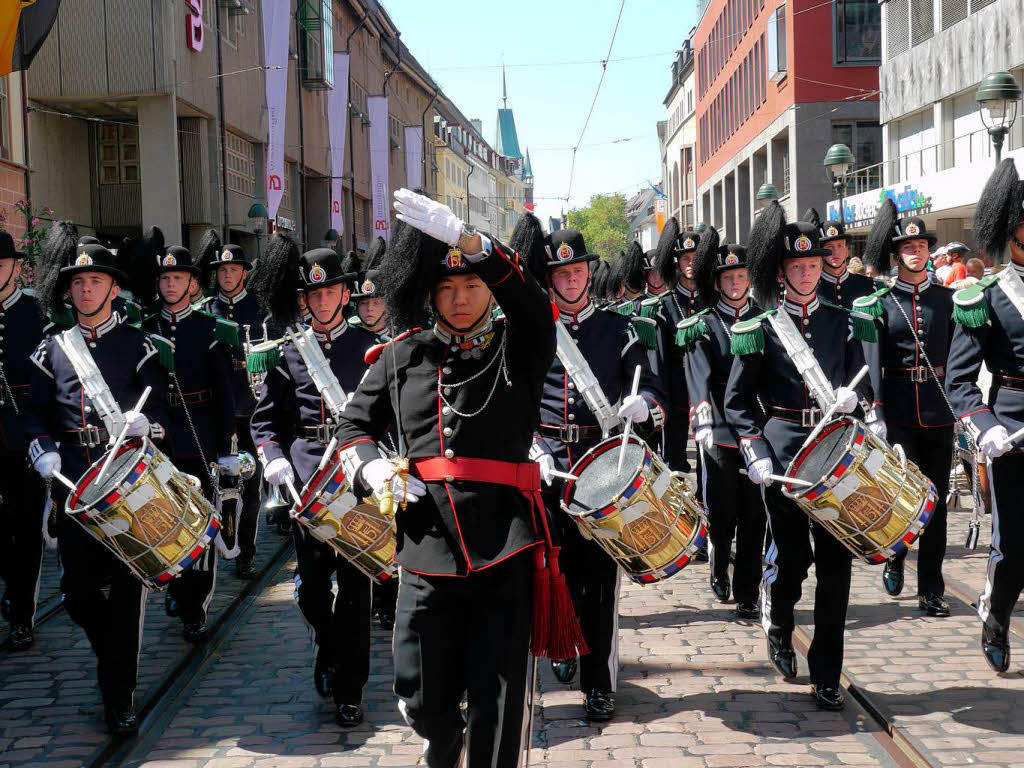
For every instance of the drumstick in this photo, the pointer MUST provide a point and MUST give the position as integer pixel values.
(832, 408)
(1015, 436)
(64, 480)
(629, 421)
(120, 438)
(563, 475)
(785, 479)
(294, 493)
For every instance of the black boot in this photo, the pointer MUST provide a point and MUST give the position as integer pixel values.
(892, 576)
(995, 644)
(244, 569)
(565, 669)
(195, 632)
(933, 605)
(829, 697)
(721, 588)
(21, 637)
(121, 720)
(323, 673)
(600, 705)
(348, 715)
(748, 610)
(781, 653)
(701, 555)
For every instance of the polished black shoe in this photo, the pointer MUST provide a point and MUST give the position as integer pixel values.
(121, 720)
(171, 607)
(195, 632)
(348, 715)
(996, 647)
(829, 697)
(323, 674)
(721, 588)
(782, 656)
(244, 569)
(748, 610)
(5, 608)
(565, 669)
(21, 637)
(701, 555)
(600, 705)
(892, 577)
(933, 605)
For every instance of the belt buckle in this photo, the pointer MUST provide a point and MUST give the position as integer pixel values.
(572, 433)
(809, 417)
(323, 433)
(91, 435)
(919, 374)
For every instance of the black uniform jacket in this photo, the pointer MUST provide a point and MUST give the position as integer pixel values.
(57, 405)
(242, 308)
(200, 385)
(708, 361)
(291, 408)
(22, 326)
(844, 289)
(673, 307)
(771, 376)
(896, 359)
(461, 526)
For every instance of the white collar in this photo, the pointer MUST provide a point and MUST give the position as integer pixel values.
(731, 311)
(921, 287)
(568, 318)
(176, 317)
(686, 291)
(332, 334)
(105, 327)
(828, 277)
(1019, 268)
(13, 298)
(801, 310)
(449, 338)
(232, 300)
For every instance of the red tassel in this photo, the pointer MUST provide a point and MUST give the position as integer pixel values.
(565, 638)
(541, 604)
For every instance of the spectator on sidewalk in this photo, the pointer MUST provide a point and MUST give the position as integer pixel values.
(958, 270)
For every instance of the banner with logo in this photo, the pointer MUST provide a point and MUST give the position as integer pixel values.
(414, 156)
(337, 115)
(377, 106)
(275, 53)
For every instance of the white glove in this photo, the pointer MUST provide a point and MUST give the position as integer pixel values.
(993, 443)
(636, 407)
(138, 424)
(231, 464)
(279, 472)
(380, 473)
(547, 463)
(704, 437)
(428, 216)
(878, 428)
(846, 400)
(47, 464)
(759, 471)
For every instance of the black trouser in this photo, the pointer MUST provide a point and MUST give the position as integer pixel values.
(465, 636)
(385, 597)
(247, 514)
(112, 622)
(734, 509)
(932, 451)
(677, 430)
(786, 565)
(593, 579)
(21, 536)
(341, 625)
(1005, 576)
(193, 588)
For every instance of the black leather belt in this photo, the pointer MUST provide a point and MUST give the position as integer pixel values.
(570, 433)
(89, 437)
(917, 374)
(179, 400)
(805, 417)
(1001, 380)
(319, 433)
(18, 390)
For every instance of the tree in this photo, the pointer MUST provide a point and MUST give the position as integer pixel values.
(603, 224)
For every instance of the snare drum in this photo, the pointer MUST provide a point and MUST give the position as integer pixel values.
(152, 516)
(645, 517)
(865, 492)
(355, 530)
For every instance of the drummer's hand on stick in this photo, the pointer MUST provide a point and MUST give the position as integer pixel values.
(380, 476)
(279, 472)
(760, 471)
(546, 464)
(634, 407)
(138, 424)
(994, 442)
(704, 437)
(846, 400)
(48, 464)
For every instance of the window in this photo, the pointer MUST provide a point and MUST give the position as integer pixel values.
(119, 154)
(241, 173)
(228, 28)
(865, 139)
(897, 26)
(394, 131)
(5, 116)
(776, 33)
(858, 28)
(358, 97)
(922, 20)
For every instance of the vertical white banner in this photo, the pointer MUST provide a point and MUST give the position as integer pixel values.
(377, 106)
(414, 156)
(275, 51)
(337, 115)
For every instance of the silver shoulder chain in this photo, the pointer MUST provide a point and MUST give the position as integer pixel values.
(502, 372)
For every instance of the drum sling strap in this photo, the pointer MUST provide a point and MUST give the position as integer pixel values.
(556, 630)
(73, 345)
(583, 377)
(803, 358)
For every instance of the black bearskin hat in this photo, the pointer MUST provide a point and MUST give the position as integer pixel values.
(613, 282)
(878, 247)
(704, 262)
(375, 254)
(599, 280)
(144, 259)
(631, 268)
(209, 247)
(666, 259)
(528, 241)
(1000, 209)
(409, 271)
(811, 216)
(764, 248)
(58, 248)
(125, 253)
(276, 282)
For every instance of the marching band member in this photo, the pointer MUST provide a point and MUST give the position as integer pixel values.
(838, 284)
(201, 424)
(464, 396)
(654, 284)
(633, 274)
(58, 411)
(763, 370)
(733, 502)
(233, 302)
(23, 492)
(568, 429)
(990, 330)
(291, 428)
(913, 328)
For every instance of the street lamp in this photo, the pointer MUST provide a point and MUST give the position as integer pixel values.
(258, 211)
(838, 161)
(998, 96)
(765, 194)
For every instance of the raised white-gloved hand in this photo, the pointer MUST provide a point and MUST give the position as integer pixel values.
(995, 442)
(231, 464)
(704, 437)
(279, 472)
(846, 400)
(428, 216)
(47, 464)
(379, 474)
(138, 424)
(759, 471)
(636, 407)
(878, 428)
(546, 463)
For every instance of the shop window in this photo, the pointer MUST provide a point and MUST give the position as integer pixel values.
(119, 154)
(858, 28)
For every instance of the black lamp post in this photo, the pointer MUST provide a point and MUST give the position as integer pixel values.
(838, 161)
(998, 95)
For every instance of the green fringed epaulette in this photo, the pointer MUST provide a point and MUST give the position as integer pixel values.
(226, 332)
(691, 328)
(649, 307)
(830, 305)
(132, 311)
(497, 313)
(164, 350)
(646, 330)
(970, 305)
(748, 335)
(357, 322)
(65, 318)
(624, 308)
(867, 309)
(263, 357)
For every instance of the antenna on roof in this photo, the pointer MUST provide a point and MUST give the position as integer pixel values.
(504, 88)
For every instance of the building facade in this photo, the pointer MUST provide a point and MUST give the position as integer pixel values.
(14, 175)
(645, 211)
(776, 84)
(680, 138)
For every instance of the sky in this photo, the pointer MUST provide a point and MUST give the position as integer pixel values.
(462, 43)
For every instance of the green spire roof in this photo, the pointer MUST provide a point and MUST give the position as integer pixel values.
(507, 142)
(527, 167)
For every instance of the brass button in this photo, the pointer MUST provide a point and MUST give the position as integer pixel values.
(92, 344)
(446, 410)
(447, 431)
(449, 453)
(572, 385)
(572, 400)
(174, 327)
(807, 335)
(446, 371)
(575, 327)
(572, 417)
(327, 345)
(447, 391)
